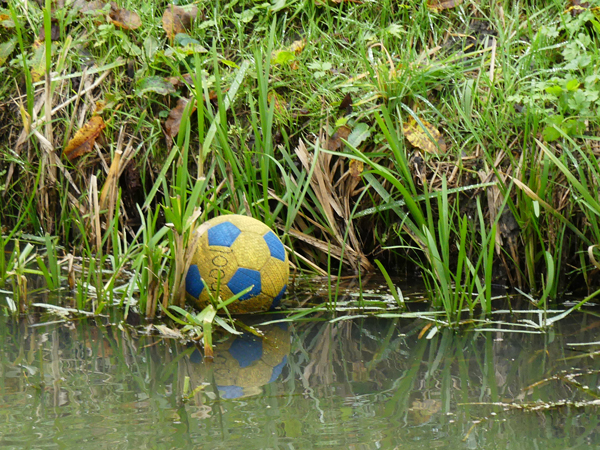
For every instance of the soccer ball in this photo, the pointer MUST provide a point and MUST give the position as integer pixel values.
(233, 253)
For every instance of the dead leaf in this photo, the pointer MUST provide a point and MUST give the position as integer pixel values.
(84, 139)
(576, 7)
(348, 189)
(335, 142)
(298, 46)
(100, 106)
(356, 168)
(54, 31)
(70, 272)
(424, 330)
(92, 8)
(173, 122)
(181, 81)
(280, 105)
(440, 5)
(346, 104)
(177, 19)
(420, 138)
(122, 18)
(212, 94)
(332, 205)
(168, 332)
(26, 119)
(343, 132)
(6, 21)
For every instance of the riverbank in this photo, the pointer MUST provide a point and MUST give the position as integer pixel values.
(461, 141)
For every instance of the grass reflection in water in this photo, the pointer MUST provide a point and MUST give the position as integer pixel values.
(361, 384)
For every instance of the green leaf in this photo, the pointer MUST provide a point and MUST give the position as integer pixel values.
(183, 39)
(207, 315)
(554, 90)
(130, 48)
(223, 324)
(235, 85)
(583, 190)
(396, 30)
(245, 16)
(277, 5)
(179, 310)
(230, 300)
(207, 24)
(6, 49)
(550, 133)
(188, 44)
(536, 208)
(154, 84)
(573, 85)
(150, 47)
(571, 51)
(591, 96)
(229, 63)
(284, 57)
(578, 101)
(556, 119)
(360, 132)
(320, 66)
(341, 122)
(396, 292)
(574, 127)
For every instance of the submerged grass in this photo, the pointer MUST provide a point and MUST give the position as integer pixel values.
(302, 114)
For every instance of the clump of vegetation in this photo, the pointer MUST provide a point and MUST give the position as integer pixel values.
(458, 136)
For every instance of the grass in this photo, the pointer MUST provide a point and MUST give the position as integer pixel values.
(509, 197)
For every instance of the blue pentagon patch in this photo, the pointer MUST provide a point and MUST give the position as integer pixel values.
(243, 278)
(275, 246)
(278, 298)
(223, 234)
(193, 281)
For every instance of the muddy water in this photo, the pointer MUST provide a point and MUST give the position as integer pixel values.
(357, 384)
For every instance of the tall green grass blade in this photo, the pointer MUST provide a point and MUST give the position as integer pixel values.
(583, 191)
(395, 291)
(233, 89)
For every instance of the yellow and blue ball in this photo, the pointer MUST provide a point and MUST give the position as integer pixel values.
(233, 253)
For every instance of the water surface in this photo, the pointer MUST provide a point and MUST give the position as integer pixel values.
(355, 384)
